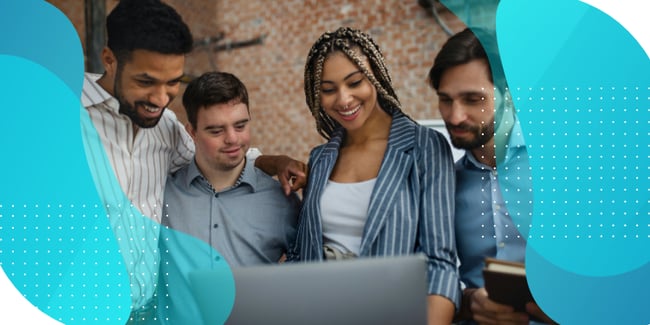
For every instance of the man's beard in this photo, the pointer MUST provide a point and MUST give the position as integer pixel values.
(131, 110)
(482, 134)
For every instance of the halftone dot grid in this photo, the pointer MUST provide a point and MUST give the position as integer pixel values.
(581, 87)
(57, 245)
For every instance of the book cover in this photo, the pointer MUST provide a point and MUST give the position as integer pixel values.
(506, 283)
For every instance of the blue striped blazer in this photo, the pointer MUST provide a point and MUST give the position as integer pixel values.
(411, 208)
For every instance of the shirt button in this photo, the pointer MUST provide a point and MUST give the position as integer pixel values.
(218, 258)
(216, 225)
(502, 245)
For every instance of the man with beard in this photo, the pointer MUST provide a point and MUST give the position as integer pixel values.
(133, 141)
(468, 77)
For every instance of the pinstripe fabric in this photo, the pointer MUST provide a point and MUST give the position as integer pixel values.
(139, 163)
(411, 207)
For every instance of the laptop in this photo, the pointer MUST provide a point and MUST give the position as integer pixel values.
(385, 290)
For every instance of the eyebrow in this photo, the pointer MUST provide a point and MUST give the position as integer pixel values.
(346, 77)
(465, 93)
(148, 77)
(221, 126)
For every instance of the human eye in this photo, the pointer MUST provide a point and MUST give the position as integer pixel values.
(215, 132)
(444, 99)
(174, 82)
(327, 90)
(473, 99)
(356, 83)
(144, 82)
(241, 126)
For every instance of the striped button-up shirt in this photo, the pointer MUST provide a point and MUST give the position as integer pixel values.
(411, 206)
(130, 168)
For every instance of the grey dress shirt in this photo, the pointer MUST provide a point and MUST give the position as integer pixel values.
(250, 223)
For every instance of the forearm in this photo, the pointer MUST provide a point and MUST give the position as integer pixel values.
(268, 164)
(440, 310)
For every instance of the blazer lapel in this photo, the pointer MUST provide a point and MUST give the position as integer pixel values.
(319, 174)
(393, 175)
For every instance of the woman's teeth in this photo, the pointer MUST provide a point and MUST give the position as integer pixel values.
(351, 112)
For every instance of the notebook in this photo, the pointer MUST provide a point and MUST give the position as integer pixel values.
(386, 290)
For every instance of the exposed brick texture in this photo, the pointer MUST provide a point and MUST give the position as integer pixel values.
(273, 71)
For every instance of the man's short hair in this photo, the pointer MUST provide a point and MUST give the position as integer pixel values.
(213, 88)
(465, 46)
(146, 25)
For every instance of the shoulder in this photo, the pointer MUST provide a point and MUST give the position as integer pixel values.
(170, 120)
(170, 128)
(317, 150)
(92, 94)
(260, 180)
(331, 147)
(178, 178)
(267, 185)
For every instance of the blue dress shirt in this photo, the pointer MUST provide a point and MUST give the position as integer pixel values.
(484, 227)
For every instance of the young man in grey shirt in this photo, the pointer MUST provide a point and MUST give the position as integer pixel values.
(231, 209)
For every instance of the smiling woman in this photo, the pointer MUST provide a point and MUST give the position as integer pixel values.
(382, 185)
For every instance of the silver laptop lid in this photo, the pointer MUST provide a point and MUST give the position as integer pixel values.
(385, 290)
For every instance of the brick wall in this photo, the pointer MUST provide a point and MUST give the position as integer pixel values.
(273, 71)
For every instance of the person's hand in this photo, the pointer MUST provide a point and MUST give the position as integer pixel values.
(291, 173)
(533, 309)
(488, 312)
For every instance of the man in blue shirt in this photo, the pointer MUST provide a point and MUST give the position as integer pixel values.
(231, 209)
(469, 80)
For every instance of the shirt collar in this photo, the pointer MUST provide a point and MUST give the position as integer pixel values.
(247, 176)
(94, 94)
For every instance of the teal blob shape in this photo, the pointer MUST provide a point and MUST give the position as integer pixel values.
(39, 32)
(180, 255)
(571, 298)
(581, 86)
(585, 124)
(474, 13)
(57, 245)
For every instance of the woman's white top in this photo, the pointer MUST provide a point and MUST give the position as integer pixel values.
(344, 211)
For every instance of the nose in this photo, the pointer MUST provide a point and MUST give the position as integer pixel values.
(160, 96)
(230, 136)
(456, 114)
(344, 99)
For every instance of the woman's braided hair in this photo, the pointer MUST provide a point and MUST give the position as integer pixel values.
(349, 42)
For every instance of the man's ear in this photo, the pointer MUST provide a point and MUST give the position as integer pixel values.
(109, 61)
(190, 129)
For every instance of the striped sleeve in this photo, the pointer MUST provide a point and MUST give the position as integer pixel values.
(436, 235)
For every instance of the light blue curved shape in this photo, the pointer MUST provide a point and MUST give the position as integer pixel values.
(178, 303)
(581, 85)
(57, 246)
(39, 32)
(63, 211)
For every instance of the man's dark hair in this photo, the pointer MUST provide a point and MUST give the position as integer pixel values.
(466, 46)
(213, 88)
(146, 25)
